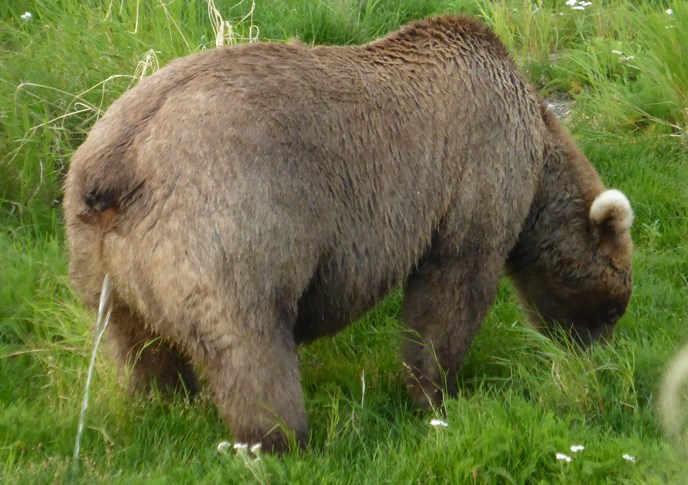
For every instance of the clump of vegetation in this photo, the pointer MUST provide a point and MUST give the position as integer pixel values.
(525, 400)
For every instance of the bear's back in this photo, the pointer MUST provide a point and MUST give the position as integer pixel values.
(362, 153)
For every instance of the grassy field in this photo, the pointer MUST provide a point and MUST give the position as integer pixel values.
(523, 398)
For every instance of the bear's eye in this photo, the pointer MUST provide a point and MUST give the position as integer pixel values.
(614, 313)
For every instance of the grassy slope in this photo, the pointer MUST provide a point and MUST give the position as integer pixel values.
(523, 397)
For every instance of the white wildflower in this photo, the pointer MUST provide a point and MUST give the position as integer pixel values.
(578, 7)
(438, 422)
(563, 457)
(628, 457)
(571, 3)
(586, 4)
(668, 11)
(576, 448)
(223, 446)
(241, 450)
(26, 16)
(618, 53)
(627, 58)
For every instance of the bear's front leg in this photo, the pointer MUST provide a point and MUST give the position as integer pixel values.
(445, 301)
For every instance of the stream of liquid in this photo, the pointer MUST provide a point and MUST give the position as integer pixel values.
(104, 311)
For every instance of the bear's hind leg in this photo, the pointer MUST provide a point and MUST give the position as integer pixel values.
(251, 364)
(445, 301)
(153, 362)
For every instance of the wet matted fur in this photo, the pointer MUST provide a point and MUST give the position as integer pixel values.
(248, 199)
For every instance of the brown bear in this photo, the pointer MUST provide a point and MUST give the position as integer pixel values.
(249, 199)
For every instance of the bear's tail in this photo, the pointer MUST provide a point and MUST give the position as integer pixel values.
(98, 196)
(103, 202)
(97, 193)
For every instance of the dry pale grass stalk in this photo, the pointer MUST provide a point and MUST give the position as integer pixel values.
(171, 20)
(224, 31)
(77, 105)
(149, 62)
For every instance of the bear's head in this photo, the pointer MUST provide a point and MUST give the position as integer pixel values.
(579, 274)
(572, 263)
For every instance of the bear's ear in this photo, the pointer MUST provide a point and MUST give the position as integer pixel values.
(611, 211)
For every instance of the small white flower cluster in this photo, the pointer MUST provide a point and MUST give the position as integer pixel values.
(576, 448)
(563, 457)
(622, 58)
(438, 422)
(223, 446)
(576, 5)
(567, 458)
(26, 16)
(668, 11)
(242, 449)
(628, 457)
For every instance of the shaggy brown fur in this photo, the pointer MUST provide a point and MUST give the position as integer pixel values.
(248, 199)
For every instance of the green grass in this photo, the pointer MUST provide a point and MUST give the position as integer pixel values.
(523, 398)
